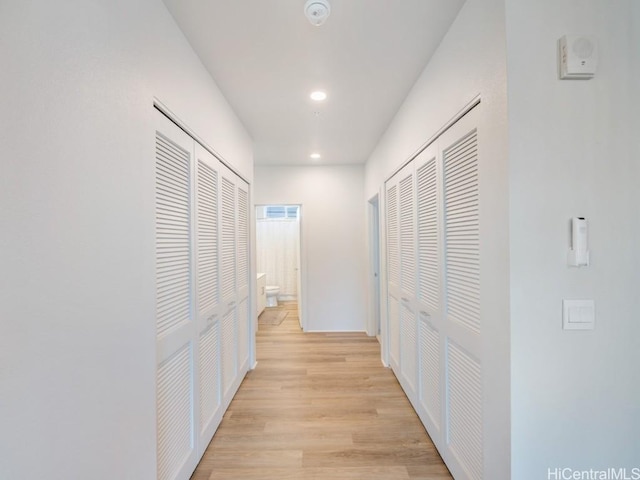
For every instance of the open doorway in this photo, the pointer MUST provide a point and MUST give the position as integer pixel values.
(278, 255)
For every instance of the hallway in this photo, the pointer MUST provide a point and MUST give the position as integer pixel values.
(319, 406)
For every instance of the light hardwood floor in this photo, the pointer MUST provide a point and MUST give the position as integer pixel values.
(319, 406)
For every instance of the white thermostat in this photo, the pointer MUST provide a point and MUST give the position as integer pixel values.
(577, 56)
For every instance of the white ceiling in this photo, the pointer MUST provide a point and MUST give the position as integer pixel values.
(266, 58)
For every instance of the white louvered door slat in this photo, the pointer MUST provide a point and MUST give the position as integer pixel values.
(208, 294)
(209, 370)
(229, 282)
(243, 237)
(243, 315)
(408, 342)
(401, 281)
(173, 235)
(207, 235)
(408, 320)
(430, 371)
(394, 331)
(428, 245)
(228, 240)
(407, 237)
(176, 330)
(462, 236)
(429, 290)
(393, 239)
(463, 414)
(393, 273)
(229, 354)
(243, 332)
(465, 410)
(174, 414)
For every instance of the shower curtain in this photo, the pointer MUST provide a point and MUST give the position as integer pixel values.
(277, 243)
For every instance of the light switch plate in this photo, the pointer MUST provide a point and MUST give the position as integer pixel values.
(578, 314)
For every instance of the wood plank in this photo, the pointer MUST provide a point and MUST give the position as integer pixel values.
(319, 406)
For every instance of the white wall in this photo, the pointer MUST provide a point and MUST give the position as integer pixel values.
(77, 283)
(333, 257)
(469, 62)
(573, 148)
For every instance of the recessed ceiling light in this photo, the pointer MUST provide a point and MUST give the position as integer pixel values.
(318, 95)
(315, 156)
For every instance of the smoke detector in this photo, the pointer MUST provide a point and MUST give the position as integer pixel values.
(317, 11)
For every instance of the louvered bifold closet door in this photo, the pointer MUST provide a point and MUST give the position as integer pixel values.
(464, 412)
(228, 259)
(228, 236)
(393, 271)
(176, 430)
(462, 232)
(243, 311)
(430, 346)
(208, 294)
(408, 319)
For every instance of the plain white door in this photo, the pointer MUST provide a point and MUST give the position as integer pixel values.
(299, 266)
(374, 265)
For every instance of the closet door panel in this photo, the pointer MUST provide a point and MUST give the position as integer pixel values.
(228, 236)
(207, 293)
(401, 268)
(175, 425)
(393, 304)
(176, 331)
(408, 348)
(431, 345)
(407, 234)
(462, 323)
(243, 238)
(462, 232)
(242, 235)
(464, 412)
(393, 235)
(210, 377)
(207, 231)
(229, 351)
(203, 295)
(408, 305)
(393, 273)
(428, 248)
(243, 334)
(430, 373)
(228, 265)
(434, 306)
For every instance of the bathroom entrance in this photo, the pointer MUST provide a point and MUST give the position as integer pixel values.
(278, 256)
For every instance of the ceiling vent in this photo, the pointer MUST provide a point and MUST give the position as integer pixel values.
(317, 11)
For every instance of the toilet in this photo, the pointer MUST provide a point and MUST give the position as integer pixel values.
(272, 295)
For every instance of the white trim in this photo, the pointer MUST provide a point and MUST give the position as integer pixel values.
(373, 231)
(301, 297)
(461, 113)
(158, 105)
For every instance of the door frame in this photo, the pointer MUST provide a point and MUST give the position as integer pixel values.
(374, 326)
(302, 262)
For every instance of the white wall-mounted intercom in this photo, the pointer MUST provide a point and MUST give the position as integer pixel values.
(579, 251)
(577, 57)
